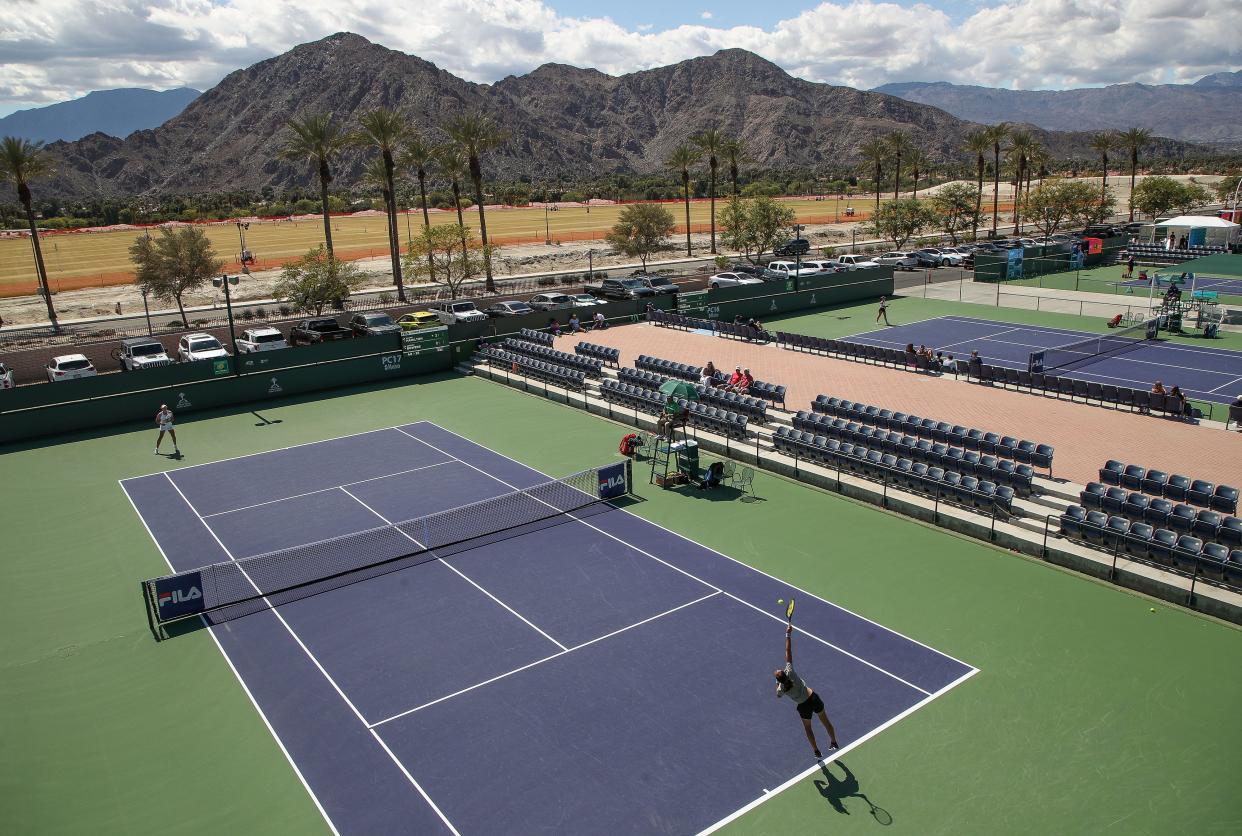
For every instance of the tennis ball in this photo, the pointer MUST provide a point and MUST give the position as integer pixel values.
(780, 600)
(1153, 609)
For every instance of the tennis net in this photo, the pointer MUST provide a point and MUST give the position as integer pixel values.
(234, 588)
(1126, 339)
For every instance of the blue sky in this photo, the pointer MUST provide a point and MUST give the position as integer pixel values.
(660, 14)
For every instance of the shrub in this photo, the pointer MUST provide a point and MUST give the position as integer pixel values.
(175, 323)
(261, 313)
(200, 323)
(545, 281)
(247, 314)
(385, 298)
(570, 279)
(286, 310)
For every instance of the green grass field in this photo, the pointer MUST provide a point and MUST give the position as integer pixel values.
(1090, 715)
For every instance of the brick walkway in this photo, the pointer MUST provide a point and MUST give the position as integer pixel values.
(1084, 436)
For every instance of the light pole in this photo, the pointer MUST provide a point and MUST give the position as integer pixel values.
(547, 233)
(590, 265)
(224, 281)
(797, 249)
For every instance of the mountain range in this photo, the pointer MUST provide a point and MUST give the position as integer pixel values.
(117, 112)
(1210, 110)
(562, 121)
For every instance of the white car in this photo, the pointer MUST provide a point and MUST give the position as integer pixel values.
(822, 266)
(457, 311)
(586, 300)
(855, 262)
(254, 340)
(732, 280)
(899, 260)
(69, 367)
(948, 257)
(6, 377)
(193, 347)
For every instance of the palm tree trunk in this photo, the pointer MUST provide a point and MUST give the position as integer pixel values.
(325, 176)
(422, 193)
(974, 231)
(733, 175)
(877, 187)
(1017, 194)
(461, 222)
(487, 257)
(394, 234)
(897, 177)
(685, 185)
(713, 199)
(40, 268)
(995, 187)
(916, 183)
(1133, 172)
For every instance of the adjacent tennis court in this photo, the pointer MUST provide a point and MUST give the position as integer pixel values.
(1206, 374)
(1220, 285)
(613, 674)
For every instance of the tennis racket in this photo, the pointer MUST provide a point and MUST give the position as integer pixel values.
(878, 813)
(789, 610)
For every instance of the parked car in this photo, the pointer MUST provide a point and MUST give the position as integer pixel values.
(586, 300)
(6, 377)
(732, 280)
(1102, 231)
(266, 338)
(822, 266)
(1134, 228)
(748, 269)
(898, 260)
(457, 310)
(320, 329)
(142, 353)
(508, 309)
(788, 270)
(373, 324)
(69, 367)
(661, 284)
(551, 301)
(194, 347)
(793, 247)
(936, 257)
(855, 262)
(419, 319)
(620, 289)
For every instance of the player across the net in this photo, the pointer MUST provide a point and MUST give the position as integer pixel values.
(230, 589)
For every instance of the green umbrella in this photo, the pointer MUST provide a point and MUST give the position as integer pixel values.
(679, 389)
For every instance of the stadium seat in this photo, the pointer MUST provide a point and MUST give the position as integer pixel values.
(1094, 527)
(1233, 568)
(1113, 500)
(1182, 518)
(1160, 549)
(1093, 496)
(1206, 525)
(1072, 521)
(1212, 561)
(1157, 512)
(1153, 482)
(1176, 488)
(1200, 493)
(1115, 531)
(1110, 473)
(1186, 553)
(1138, 540)
(1225, 499)
(1230, 533)
(1132, 477)
(1136, 506)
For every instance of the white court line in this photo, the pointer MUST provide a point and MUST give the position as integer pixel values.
(240, 681)
(853, 744)
(537, 662)
(326, 490)
(694, 577)
(463, 575)
(680, 536)
(984, 337)
(1223, 385)
(306, 650)
(412, 780)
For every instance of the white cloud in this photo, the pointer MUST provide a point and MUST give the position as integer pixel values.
(705, 15)
(52, 50)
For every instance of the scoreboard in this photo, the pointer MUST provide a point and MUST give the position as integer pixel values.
(424, 340)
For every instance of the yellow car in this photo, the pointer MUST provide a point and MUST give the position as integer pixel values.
(418, 319)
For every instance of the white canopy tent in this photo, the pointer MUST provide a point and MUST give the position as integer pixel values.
(1202, 230)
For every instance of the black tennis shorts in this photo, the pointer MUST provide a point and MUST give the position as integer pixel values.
(810, 706)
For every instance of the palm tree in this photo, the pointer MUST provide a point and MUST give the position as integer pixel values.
(1132, 140)
(1020, 145)
(710, 143)
(418, 155)
(450, 161)
(684, 158)
(1103, 143)
(318, 139)
(918, 160)
(1037, 162)
(996, 134)
(875, 151)
(476, 133)
(734, 151)
(978, 143)
(898, 144)
(21, 161)
(386, 130)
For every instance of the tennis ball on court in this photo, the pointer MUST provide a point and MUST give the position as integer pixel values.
(780, 600)
(1153, 609)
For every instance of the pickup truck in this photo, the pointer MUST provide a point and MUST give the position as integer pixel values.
(855, 262)
(620, 289)
(254, 340)
(660, 284)
(318, 330)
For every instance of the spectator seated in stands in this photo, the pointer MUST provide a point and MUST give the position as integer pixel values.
(747, 381)
(1157, 388)
(1178, 403)
(1115, 321)
(937, 362)
(554, 327)
(911, 354)
(1173, 294)
(709, 372)
(674, 415)
(976, 364)
(734, 379)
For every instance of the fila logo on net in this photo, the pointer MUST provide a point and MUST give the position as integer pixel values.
(178, 596)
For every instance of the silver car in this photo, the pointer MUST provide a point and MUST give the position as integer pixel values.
(551, 301)
(899, 260)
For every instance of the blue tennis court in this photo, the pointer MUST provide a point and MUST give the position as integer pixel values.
(591, 673)
(1209, 284)
(1206, 374)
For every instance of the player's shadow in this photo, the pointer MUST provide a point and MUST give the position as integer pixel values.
(835, 790)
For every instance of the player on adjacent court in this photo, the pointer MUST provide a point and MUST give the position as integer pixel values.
(164, 420)
(788, 683)
(883, 312)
